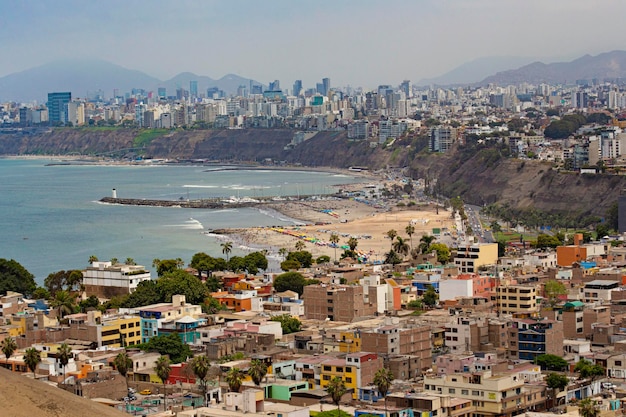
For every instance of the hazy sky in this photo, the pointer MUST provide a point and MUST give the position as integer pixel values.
(358, 42)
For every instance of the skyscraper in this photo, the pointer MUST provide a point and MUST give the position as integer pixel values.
(326, 84)
(193, 88)
(57, 106)
(297, 87)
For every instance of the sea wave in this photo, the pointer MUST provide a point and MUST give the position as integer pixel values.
(199, 186)
(189, 224)
(280, 216)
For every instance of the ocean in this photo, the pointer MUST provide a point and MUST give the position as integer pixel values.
(51, 219)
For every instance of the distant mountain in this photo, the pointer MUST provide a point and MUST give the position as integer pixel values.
(228, 83)
(84, 77)
(78, 76)
(476, 70)
(608, 65)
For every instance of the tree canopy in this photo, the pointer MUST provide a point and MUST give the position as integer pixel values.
(14, 277)
(553, 289)
(305, 258)
(290, 281)
(288, 323)
(556, 381)
(170, 345)
(551, 362)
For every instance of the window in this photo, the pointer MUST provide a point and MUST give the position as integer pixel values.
(348, 369)
(326, 377)
(451, 390)
(618, 363)
(349, 380)
(464, 392)
(476, 393)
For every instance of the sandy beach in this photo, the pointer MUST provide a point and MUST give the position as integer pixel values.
(346, 218)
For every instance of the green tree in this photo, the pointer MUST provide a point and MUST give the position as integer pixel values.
(612, 216)
(305, 258)
(556, 381)
(8, 347)
(586, 369)
(184, 283)
(383, 379)
(255, 261)
(588, 408)
(227, 248)
(430, 296)
(170, 345)
(290, 281)
(602, 230)
(551, 362)
(257, 371)
(92, 259)
(334, 240)
(288, 323)
(400, 246)
(391, 234)
(41, 293)
(145, 294)
(353, 243)
(163, 369)
(234, 378)
(410, 231)
(336, 389)
(425, 242)
(547, 241)
(200, 366)
(322, 259)
(32, 357)
(443, 252)
(123, 363)
(90, 303)
(64, 302)
(553, 289)
(14, 277)
(283, 252)
(495, 227)
(300, 245)
(392, 258)
(64, 353)
(166, 266)
(290, 265)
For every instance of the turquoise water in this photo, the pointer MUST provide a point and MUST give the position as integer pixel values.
(50, 217)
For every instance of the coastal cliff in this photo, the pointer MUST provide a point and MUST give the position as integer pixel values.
(480, 177)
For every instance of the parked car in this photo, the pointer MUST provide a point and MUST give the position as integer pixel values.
(145, 392)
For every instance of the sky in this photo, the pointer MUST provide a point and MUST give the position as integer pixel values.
(353, 42)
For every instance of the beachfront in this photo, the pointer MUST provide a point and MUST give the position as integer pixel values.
(346, 218)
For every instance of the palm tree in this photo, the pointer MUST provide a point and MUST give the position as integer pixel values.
(353, 243)
(300, 245)
(156, 262)
(32, 357)
(93, 258)
(227, 248)
(336, 389)
(588, 408)
(180, 263)
(163, 369)
(200, 366)
(113, 261)
(382, 380)
(334, 239)
(410, 230)
(64, 353)
(257, 370)
(391, 234)
(65, 302)
(425, 243)
(234, 377)
(130, 261)
(123, 363)
(283, 252)
(8, 347)
(400, 246)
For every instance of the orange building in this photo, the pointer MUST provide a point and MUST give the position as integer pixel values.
(567, 255)
(235, 302)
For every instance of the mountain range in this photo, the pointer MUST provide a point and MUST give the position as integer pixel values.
(85, 77)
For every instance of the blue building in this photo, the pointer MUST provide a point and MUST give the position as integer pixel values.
(529, 338)
(57, 106)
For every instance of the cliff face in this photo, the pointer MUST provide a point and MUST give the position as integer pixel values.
(481, 177)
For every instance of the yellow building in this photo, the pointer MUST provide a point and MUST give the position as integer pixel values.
(470, 258)
(517, 300)
(356, 370)
(121, 331)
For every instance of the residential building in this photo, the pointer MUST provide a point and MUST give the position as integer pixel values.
(442, 138)
(57, 106)
(154, 317)
(529, 338)
(470, 258)
(572, 317)
(392, 339)
(105, 280)
(599, 290)
(337, 302)
(518, 300)
(356, 370)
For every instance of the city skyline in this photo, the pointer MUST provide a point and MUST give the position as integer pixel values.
(359, 44)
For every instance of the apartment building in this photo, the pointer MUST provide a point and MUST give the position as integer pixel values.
(155, 316)
(105, 280)
(356, 370)
(572, 318)
(338, 302)
(470, 258)
(529, 338)
(517, 300)
(414, 340)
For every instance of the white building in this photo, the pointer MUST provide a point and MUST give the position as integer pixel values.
(106, 280)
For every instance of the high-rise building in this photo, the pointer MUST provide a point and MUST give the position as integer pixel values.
(326, 84)
(407, 88)
(297, 87)
(57, 106)
(162, 93)
(193, 88)
(274, 86)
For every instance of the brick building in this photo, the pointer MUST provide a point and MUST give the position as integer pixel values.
(338, 302)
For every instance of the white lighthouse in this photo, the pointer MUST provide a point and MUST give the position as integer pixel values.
(114, 193)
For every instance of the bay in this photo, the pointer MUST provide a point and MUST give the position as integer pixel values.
(51, 219)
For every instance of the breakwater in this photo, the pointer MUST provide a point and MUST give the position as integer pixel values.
(206, 203)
